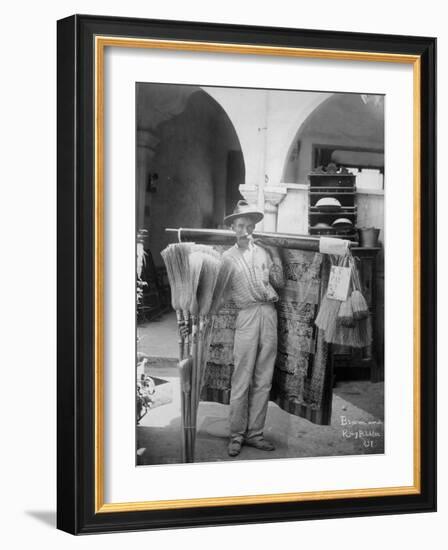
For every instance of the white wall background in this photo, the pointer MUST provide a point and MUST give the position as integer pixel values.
(27, 276)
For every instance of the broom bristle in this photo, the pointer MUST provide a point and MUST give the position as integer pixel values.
(358, 336)
(183, 267)
(207, 282)
(359, 305)
(338, 334)
(222, 285)
(176, 258)
(205, 348)
(344, 336)
(168, 257)
(196, 266)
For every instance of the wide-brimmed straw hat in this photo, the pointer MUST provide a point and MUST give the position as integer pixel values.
(243, 208)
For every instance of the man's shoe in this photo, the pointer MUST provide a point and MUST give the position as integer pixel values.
(234, 447)
(260, 444)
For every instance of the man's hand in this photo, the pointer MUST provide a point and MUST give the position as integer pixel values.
(276, 276)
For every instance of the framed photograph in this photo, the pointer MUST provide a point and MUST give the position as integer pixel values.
(246, 274)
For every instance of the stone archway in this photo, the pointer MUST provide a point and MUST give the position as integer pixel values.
(266, 122)
(339, 119)
(343, 120)
(292, 138)
(187, 146)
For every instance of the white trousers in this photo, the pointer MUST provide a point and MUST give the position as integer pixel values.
(255, 350)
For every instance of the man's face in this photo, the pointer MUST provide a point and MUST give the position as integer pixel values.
(243, 228)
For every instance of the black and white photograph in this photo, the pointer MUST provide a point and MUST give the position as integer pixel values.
(222, 243)
(259, 273)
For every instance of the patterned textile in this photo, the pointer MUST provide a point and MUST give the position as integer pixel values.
(302, 376)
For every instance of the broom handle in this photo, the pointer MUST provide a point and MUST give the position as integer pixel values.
(191, 443)
(194, 397)
(181, 339)
(187, 429)
(194, 373)
(186, 384)
(186, 322)
(225, 236)
(183, 416)
(199, 364)
(202, 354)
(182, 425)
(208, 328)
(199, 368)
(204, 346)
(187, 426)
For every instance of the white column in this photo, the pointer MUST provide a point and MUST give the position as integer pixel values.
(293, 211)
(273, 196)
(250, 193)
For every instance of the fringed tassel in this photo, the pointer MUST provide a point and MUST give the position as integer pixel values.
(328, 314)
(358, 336)
(346, 323)
(359, 303)
(341, 335)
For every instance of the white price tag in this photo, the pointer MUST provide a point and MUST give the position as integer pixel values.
(339, 283)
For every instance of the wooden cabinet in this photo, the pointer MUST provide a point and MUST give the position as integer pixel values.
(366, 363)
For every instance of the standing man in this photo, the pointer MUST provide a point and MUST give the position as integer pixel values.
(257, 269)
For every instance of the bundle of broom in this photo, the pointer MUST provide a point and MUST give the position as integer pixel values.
(204, 265)
(213, 284)
(203, 285)
(329, 308)
(177, 262)
(346, 323)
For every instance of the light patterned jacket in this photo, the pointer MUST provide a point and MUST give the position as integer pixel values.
(254, 277)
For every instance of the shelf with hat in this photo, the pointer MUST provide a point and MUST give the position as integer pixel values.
(332, 202)
(346, 210)
(331, 176)
(332, 212)
(322, 198)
